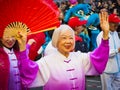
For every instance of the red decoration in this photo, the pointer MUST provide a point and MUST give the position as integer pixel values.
(38, 15)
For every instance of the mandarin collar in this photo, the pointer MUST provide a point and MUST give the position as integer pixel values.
(8, 50)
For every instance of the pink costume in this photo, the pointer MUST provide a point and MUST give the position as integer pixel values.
(25, 69)
(56, 72)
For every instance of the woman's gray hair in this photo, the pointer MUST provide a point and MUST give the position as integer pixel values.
(57, 31)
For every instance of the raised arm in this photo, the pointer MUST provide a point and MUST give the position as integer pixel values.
(28, 68)
(104, 24)
(99, 56)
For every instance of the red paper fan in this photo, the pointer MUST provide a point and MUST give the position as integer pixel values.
(37, 15)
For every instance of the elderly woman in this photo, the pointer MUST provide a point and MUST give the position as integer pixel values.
(65, 69)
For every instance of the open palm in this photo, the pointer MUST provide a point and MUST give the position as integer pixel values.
(104, 24)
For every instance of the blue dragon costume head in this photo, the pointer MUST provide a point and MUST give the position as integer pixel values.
(93, 30)
(84, 12)
(78, 10)
(93, 20)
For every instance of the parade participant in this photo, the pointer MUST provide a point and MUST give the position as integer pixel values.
(20, 18)
(14, 61)
(78, 26)
(111, 76)
(66, 69)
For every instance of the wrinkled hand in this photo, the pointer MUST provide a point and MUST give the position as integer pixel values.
(104, 24)
(31, 41)
(22, 38)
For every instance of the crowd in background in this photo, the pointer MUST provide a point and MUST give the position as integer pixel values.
(97, 5)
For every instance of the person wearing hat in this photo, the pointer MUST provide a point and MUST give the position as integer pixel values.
(79, 26)
(111, 77)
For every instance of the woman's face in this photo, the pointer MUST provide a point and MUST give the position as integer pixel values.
(8, 40)
(65, 42)
(78, 29)
(113, 26)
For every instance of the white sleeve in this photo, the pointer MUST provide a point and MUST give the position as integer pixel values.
(42, 75)
(86, 63)
(112, 52)
(88, 66)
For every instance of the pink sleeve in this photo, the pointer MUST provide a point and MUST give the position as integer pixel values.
(28, 68)
(99, 56)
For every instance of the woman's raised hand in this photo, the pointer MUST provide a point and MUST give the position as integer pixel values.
(104, 24)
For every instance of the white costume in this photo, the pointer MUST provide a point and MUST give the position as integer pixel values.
(56, 72)
(111, 76)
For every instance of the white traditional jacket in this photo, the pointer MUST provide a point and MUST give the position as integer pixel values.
(56, 72)
(113, 65)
